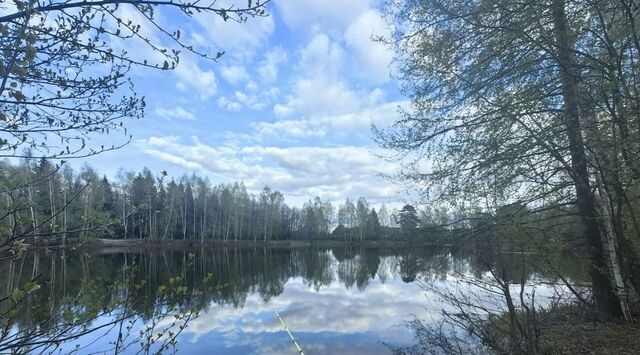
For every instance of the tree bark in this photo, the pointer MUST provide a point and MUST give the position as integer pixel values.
(611, 246)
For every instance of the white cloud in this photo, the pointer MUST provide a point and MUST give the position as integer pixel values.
(269, 66)
(273, 93)
(299, 172)
(228, 104)
(288, 129)
(372, 58)
(282, 110)
(176, 112)
(191, 75)
(334, 24)
(239, 40)
(334, 15)
(251, 85)
(319, 96)
(234, 74)
(254, 101)
(321, 57)
(323, 86)
(349, 124)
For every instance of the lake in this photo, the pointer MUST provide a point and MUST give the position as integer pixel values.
(340, 300)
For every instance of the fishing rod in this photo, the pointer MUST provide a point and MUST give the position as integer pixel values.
(288, 332)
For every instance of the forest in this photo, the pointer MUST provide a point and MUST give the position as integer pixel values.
(52, 203)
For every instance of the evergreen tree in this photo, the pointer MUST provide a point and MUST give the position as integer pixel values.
(408, 220)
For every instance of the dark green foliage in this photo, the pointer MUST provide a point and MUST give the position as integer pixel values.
(408, 220)
(373, 224)
(44, 203)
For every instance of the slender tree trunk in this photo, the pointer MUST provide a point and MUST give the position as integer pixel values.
(34, 218)
(611, 246)
(220, 219)
(236, 221)
(607, 304)
(64, 218)
(215, 225)
(619, 249)
(12, 217)
(166, 227)
(184, 218)
(124, 213)
(52, 207)
(226, 234)
(194, 231)
(85, 225)
(204, 219)
(264, 239)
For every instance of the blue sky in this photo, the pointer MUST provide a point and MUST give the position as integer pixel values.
(289, 105)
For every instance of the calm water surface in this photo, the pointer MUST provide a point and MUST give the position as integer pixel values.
(335, 301)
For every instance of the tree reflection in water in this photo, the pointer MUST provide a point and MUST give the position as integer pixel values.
(150, 296)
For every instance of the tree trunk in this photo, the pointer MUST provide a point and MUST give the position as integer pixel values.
(166, 227)
(264, 239)
(607, 304)
(124, 212)
(611, 246)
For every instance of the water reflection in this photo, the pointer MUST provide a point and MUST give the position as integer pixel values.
(340, 300)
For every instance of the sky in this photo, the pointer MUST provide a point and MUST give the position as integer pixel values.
(289, 105)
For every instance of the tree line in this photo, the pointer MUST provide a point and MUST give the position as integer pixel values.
(45, 202)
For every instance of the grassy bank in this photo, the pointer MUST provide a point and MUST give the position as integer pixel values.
(569, 329)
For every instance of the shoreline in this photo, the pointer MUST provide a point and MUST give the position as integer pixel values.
(105, 245)
(139, 243)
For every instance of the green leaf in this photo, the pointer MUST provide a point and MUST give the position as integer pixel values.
(31, 286)
(17, 296)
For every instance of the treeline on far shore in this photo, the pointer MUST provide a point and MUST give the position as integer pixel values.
(43, 201)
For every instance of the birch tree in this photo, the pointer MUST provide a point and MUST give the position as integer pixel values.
(529, 102)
